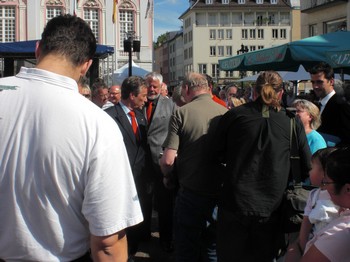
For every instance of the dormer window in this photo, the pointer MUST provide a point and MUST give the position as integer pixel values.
(241, 2)
(208, 2)
(273, 2)
(225, 2)
(259, 1)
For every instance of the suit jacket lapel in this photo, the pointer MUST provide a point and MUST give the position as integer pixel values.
(125, 123)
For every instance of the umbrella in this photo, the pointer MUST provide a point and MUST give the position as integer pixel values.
(290, 56)
(301, 74)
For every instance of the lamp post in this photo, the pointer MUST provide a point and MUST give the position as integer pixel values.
(244, 49)
(131, 44)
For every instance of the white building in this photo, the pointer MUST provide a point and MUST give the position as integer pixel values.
(22, 20)
(216, 29)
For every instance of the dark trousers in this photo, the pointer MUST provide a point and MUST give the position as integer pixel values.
(193, 217)
(247, 239)
(164, 199)
(141, 232)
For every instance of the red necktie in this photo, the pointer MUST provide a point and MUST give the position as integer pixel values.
(134, 124)
(149, 111)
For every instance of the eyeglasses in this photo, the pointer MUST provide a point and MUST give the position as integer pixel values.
(324, 183)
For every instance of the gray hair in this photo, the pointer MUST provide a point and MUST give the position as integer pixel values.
(196, 81)
(155, 75)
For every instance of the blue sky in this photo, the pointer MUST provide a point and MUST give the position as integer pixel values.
(166, 14)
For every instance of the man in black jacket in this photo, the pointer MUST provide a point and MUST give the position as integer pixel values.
(335, 113)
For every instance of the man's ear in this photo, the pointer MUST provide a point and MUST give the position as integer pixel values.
(37, 49)
(85, 67)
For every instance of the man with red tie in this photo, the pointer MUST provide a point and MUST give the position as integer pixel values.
(158, 111)
(132, 125)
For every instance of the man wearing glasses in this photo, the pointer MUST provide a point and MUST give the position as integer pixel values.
(335, 113)
(99, 93)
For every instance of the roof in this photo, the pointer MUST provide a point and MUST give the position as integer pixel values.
(233, 5)
(26, 50)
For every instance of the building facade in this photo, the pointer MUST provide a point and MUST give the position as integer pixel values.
(216, 29)
(22, 20)
(324, 16)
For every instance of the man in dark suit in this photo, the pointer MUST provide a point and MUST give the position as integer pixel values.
(158, 110)
(335, 113)
(134, 96)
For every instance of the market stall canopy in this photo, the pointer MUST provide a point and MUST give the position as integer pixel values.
(120, 74)
(26, 50)
(332, 48)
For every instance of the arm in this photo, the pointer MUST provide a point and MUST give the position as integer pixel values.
(296, 249)
(167, 161)
(109, 248)
(314, 255)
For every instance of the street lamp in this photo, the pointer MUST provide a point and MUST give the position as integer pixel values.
(131, 45)
(244, 49)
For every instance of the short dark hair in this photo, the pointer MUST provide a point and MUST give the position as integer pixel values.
(210, 80)
(69, 36)
(323, 68)
(338, 168)
(132, 85)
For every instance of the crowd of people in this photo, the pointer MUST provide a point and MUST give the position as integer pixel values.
(83, 168)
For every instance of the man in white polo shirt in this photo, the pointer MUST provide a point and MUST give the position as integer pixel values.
(65, 180)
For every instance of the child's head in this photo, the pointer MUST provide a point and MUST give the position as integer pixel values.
(318, 163)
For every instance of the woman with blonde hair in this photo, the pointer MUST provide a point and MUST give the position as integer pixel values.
(253, 140)
(309, 114)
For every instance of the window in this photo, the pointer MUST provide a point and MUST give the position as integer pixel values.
(209, 2)
(213, 51)
(220, 51)
(190, 52)
(228, 33)
(274, 2)
(215, 70)
(229, 50)
(7, 24)
(260, 33)
(201, 19)
(237, 18)
(274, 33)
(272, 18)
(244, 33)
(202, 68)
(53, 11)
(212, 19)
(126, 23)
(226, 2)
(259, 1)
(313, 30)
(224, 19)
(185, 38)
(252, 33)
(190, 36)
(229, 74)
(283, 33)
(212, 34)
(91, 17)
(259, 20)
(241, 1)
(260, 47)
(221, 34)
(249, 18)
(252, 48)
(186, 54)
(284, 18)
